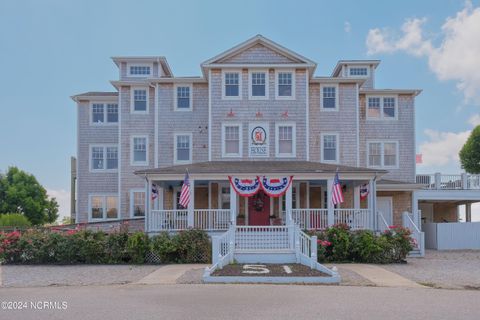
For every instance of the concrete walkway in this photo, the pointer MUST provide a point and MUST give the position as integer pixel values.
(169, 273)
(380, 276)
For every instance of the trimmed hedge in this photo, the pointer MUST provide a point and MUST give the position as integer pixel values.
(339, 244)
(80, 247)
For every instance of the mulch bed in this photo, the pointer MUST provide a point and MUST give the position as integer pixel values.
(276, 270)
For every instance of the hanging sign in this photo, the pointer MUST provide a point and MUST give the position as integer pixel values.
(275, 187)
(258, 140)
(245, 187)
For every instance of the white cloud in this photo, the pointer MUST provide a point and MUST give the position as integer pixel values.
(442, 148)
(347, 27)
(474, 120)
(457, 56)
(63, 199)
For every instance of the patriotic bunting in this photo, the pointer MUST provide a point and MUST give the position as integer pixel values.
(275, 187)
(245, 187)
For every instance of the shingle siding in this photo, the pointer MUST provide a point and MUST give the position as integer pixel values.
(258, 54)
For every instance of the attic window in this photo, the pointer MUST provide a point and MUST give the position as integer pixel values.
(139, 70)
(358, 71)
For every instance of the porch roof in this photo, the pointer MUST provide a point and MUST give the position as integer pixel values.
(260, 167)
(396, 185)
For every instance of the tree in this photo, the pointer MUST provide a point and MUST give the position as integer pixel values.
(470, 153)
(20, 192)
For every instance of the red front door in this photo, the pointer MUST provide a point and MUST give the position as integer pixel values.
(259, 210)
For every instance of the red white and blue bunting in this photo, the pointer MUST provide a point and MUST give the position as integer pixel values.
(245, 187)
(273, 187)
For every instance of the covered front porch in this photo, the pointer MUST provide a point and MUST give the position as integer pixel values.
(215, 206)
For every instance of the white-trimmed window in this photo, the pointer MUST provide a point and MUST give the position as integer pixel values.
(183, 98)
(381, 108)
(329, 97)
(139, 100)
(103, 207)
(330, 147)
(103, 158)
(285, 140)
(139, 151)
(104, 113)
(258, 84)
(232, 84)
(361, 71)
(232, 140)
(382, 154)
(137, 203)
(139, 70)
(183, 148)
(285, 85)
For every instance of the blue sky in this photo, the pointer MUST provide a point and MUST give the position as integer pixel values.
(51, 50)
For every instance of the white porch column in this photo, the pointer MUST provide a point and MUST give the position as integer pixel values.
(330, 208)
(160, 198)
(468, 212)
(191, 204)
(148, 197)
(233, 206)
(356, 197)
(288, 205)
(372, 201)
(416, 213)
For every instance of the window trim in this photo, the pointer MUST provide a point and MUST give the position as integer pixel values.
(382, 154)
(294, 139)
(105, 116)
(240, 138)
(175, 136)
(134, 163)
(277, 72)
(334, 85)
(132, 100)
(240, 81)
(134, 64)
(104, 196)
(175, 94)
(381, 117)
(337, 150)
(250, 84)
(104, 147)
(137, 190)
(358, 76)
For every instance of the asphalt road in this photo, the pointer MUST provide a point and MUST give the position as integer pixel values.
(242, 302)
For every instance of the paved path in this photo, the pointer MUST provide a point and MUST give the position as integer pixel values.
(169, 273)
(381, 277)
(182, 301)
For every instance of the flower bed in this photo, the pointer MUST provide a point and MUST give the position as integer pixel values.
(87, 247)
(340, 244)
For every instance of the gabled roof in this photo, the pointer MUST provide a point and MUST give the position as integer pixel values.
(145, 59)
(296, 58)
(341, 63)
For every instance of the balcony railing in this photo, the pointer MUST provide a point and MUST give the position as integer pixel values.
(438, 181)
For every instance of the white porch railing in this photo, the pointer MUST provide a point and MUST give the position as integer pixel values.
(311, 218)
(438, 181)
(356, 219)
(417, 235)
(264, 238)
(211, 219)
(172, 220)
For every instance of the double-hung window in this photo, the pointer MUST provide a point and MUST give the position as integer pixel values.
(137, 203)
(381, 108)
(104, 113)
(285, 144)
(329, 97)
(139, 151)
(285, 85)
(231, 140)
(103, 207)
(183, 148)
(184, 98)
(103, 158)
(258, 85)
(232, 87)
(139, 101)
(383, 154)
(330, 150)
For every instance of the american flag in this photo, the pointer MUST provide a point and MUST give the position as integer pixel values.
(337, 195)
(185, 193)
(154, 191)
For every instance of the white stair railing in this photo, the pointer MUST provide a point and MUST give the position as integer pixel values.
(263, 238)
(417, 234)
(305, 248)
(382, 223)
(223, 249)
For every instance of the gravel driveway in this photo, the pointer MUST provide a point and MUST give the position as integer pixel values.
(39, 276)
(443, 269)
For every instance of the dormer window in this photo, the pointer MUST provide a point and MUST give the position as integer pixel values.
(358, 71)
(139, 70)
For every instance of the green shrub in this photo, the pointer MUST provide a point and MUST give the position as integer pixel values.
(365, 247)
(138, 246)
(14, 220)
(193, 246)
(340, 239)
(164, 247)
